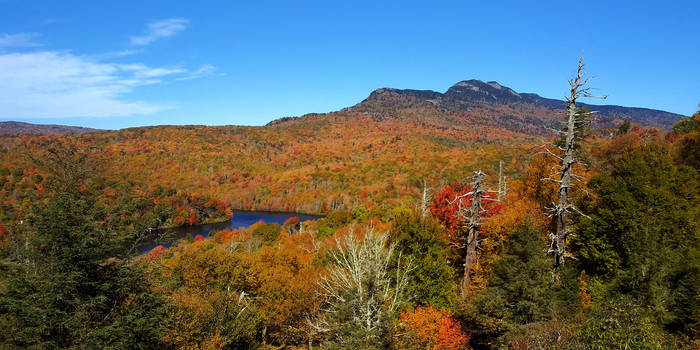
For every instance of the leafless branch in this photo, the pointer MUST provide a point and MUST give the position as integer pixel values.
(361, 277)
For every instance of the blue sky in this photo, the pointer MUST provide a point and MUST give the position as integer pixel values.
(115, 64)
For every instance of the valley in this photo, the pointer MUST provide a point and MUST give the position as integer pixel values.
(268, 223)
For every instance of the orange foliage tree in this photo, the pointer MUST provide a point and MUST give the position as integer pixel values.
(267, 293)
(281, 281)
(496, 229)
(431, 329)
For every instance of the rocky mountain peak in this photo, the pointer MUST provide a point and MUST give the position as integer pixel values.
(479, 90)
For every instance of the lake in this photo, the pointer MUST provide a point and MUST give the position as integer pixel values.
(240, 219)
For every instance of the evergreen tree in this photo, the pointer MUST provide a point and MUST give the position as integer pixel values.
(642, 240)
(70, 280)
(624, 127)
(519, 291)
(689, 145)
(422, 241)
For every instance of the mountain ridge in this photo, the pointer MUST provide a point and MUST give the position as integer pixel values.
(22, 128)
(466, 103)
(491, 103)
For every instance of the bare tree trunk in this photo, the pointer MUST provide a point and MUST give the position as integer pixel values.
(567, 160)
(500, 181)
(473, 219)
(425, 200)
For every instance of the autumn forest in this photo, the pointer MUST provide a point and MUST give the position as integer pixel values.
(444, 225)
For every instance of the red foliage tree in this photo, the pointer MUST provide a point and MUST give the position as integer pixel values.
(4, 236)
(445, 212)
(294, 220)
(444, 207)
(193, 217)
(156, 252)
(291, 225)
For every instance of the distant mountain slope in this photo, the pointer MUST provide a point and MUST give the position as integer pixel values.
(490, 104)
(17, 128)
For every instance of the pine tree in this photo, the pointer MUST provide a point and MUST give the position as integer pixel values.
(70, 280)
(643, 237)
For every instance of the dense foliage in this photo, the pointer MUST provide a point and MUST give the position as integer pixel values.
(431, 329)
(70, 281)
(375, 272)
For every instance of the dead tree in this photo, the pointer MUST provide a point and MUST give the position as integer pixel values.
(425, 200)
(502, 183)
(471, 217)
(566, 176)
(364, 281)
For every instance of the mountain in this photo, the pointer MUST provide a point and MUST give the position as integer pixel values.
(17, 128)
(472, 105)
(494, 105)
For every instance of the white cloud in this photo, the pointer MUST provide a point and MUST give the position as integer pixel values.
(60, 84)
(203, 71)
(50, 84)
(118, 54)
(18, 40)
(142, 71)
(160, 29)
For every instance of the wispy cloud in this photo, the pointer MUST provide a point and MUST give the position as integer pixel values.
(142, 71)
(118, 54)
(18, 40)
(160, 29)
(60, 84)
(203, 71)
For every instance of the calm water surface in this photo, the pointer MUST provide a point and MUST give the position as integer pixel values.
(240, 219)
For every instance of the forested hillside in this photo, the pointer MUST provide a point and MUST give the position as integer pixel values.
(438, 234)
(313, 167)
